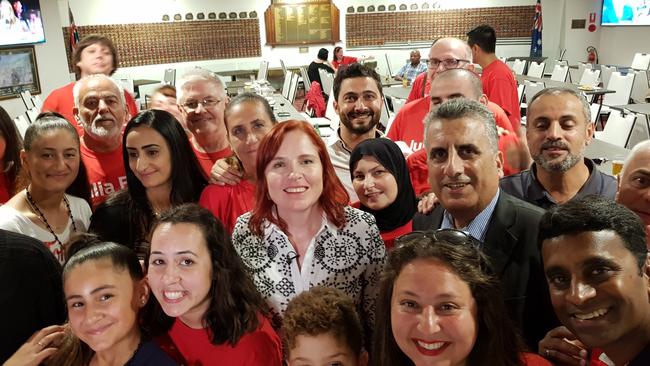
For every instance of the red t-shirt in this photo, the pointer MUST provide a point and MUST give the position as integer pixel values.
(228, 202)
(531, 359)
(500, 86)
(259, 348)
(61, 100)
(207, 160)
(389, 236)
(408, 126)
(420, 88)
(346, 60)
(105, 172)
(4, 188)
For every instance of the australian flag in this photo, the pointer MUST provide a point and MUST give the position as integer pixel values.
(536, 38)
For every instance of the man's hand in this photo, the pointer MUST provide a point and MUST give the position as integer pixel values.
(427, 202)
(563, 348)
(397, 77)
(223, 173)
(502, 131)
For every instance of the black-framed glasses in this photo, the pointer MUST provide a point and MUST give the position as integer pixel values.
(192, 105)
(449, 63)
(453, 236)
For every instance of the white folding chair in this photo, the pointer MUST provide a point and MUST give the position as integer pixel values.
(21, 124)
(293, 87)
(305, 78)
(594, 108)
(518, 66)
(170, 77)
(520, 92)
(326, 80)
(640, 86)
(606, 74)
(590, 78)
(536, 69)
(622, 84)
(26, 96)
(641, 61)
(618, 129)
(264, 68)
(284, 68)
(286, 84)
(559, 73)
(38, 102)
(531, 88)
(32, 113)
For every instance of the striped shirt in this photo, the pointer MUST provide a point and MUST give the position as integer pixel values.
(409, 71)
(478, 226)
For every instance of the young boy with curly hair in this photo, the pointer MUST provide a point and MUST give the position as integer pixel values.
(322, 327)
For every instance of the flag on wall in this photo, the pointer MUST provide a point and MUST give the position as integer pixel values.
(536, 38)
(74, 35)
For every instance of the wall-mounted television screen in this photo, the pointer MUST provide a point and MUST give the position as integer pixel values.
(20, 22)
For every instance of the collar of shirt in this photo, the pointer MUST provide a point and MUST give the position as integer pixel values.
(335, 141)
(537, 193)
(478, 226)
(326, 226)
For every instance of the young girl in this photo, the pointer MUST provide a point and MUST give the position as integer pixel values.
(54, 205)
(105, 289)
(208, 310)
(381, 180)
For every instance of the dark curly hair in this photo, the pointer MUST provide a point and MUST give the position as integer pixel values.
(323, 310)
(235, 306)
(497, 341)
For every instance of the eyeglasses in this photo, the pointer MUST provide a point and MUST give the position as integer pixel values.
(192, 105)
(453, 236)
(450, 63)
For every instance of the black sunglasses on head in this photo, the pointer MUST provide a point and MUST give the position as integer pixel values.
(454, 236)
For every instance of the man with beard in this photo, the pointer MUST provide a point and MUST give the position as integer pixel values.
(101, 109)
(202, 100)
(558, 130)
(461, 141)
(358, 99)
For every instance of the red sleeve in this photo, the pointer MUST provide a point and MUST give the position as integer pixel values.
(130, 103)
(501, 118)
(213, 199)
(418, 171)
(416, 89)
(51, 103)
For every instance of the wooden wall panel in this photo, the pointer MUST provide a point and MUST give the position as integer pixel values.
(376, 29)
(169, 42)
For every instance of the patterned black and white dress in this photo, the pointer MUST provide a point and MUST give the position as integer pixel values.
(350, 259)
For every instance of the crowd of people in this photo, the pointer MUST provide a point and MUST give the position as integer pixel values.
(204, 232)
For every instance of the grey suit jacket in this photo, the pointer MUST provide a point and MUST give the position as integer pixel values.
(511, 244)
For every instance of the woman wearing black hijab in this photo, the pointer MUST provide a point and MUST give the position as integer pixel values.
(381, 179)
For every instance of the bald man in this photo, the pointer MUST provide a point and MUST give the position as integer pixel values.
(634, 183)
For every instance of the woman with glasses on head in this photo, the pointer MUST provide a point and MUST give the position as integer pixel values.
(382, 182)
(248, 118)
(440, 304)
(161, 172)
(10, 146)
(301, 232)
(54, 204)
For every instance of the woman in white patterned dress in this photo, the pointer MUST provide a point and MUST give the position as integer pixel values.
(302, 233)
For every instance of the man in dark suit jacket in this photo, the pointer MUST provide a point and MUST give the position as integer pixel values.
(461, 141)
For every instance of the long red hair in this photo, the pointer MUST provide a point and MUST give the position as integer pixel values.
(334, 197)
